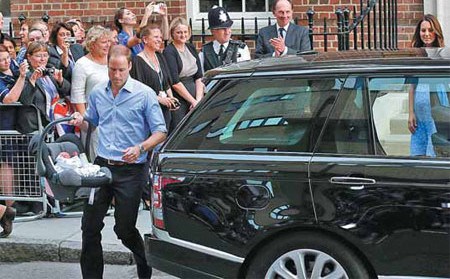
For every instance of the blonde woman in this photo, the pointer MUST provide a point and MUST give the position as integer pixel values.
(90, 70)
(185, 69)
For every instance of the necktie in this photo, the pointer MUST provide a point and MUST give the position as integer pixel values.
(281, 30)
(221, 51)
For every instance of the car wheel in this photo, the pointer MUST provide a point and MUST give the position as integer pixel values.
(306, 255)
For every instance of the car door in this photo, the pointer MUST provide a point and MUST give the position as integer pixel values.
(367, 188)
(244, 159)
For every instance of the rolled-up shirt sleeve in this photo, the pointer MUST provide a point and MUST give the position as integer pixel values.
(154, 115)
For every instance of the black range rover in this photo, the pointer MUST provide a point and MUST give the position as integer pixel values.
(304, 167)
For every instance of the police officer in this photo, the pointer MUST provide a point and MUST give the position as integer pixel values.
(222, 50)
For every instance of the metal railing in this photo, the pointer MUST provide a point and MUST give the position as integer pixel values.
(18, 179)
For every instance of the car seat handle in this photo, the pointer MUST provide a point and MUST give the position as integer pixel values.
(40, 167)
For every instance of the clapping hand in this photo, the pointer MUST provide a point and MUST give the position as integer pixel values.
(279, 45)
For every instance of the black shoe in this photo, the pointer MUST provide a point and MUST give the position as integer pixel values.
(6, 221)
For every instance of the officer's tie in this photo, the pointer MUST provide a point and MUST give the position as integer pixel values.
(221, 51)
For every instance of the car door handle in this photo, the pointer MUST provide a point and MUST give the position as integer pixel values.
(346, 180)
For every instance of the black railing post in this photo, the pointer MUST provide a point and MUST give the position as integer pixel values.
(385, 24)
(346, 29)
(380, 22)
(325, 35)
(256, 29)
(375, 28)
(389, 25)
(369, 26)
(310, 14)
(242, 29)
(190, 25)
(355, 31)
(203, 31)
(395, 25)
(340, 20)
(362, 23)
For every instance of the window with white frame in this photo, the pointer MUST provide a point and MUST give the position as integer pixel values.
(237, 9)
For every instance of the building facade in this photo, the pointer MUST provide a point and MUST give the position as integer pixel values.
(102, 12)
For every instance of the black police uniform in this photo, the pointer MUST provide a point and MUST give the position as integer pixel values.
(230, 55)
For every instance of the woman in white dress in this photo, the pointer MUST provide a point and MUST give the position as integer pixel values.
(90, 70)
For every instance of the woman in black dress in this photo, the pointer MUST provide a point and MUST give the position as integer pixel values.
(185, 69)
(150, 68)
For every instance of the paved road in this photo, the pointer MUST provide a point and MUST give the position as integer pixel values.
(58, 270)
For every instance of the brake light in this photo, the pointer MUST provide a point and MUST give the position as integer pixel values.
(159, 183)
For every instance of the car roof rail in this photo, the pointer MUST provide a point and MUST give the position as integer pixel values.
(307, 52)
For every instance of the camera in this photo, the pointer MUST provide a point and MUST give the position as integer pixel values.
(48, 71)
(157, 7)
(70, 40)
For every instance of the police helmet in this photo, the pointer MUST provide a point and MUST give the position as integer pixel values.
(218, 18)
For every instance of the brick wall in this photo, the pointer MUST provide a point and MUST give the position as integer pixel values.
(94, 12)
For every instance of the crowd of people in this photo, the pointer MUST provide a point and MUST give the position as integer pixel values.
(133, 91)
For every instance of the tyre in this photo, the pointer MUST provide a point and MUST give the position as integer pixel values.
(306, 255)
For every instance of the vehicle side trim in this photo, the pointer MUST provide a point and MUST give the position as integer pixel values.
(375, 69)
(164, 236)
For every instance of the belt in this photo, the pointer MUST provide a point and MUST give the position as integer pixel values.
(116, 163)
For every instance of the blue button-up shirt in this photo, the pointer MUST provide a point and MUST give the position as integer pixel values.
(125, 120)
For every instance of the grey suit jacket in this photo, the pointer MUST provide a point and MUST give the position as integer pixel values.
(296, 39)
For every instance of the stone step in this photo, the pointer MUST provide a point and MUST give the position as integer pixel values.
(396, 144)
(399, 124)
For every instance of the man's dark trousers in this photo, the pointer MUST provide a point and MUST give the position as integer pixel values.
(128, 184)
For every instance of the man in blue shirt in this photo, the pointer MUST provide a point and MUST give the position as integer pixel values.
(129, 122)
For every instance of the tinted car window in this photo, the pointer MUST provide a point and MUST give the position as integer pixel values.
(278, 114)
(428, 96)
(347, 130)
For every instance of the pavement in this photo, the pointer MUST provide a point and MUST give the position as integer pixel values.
(58, 239)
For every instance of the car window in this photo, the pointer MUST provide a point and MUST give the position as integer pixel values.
(278, 114)
(400, 102)
(347, 129)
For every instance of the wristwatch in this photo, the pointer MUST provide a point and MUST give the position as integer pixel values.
(141, 149)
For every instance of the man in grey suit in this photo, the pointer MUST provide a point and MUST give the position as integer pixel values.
(283, 37)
